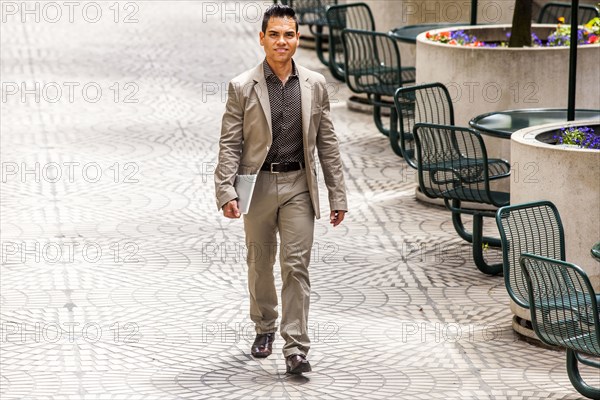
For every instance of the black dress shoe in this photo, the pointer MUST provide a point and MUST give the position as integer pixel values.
(263, 345)
(297, 364)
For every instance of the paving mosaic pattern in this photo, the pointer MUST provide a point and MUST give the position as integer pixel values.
(120, 280)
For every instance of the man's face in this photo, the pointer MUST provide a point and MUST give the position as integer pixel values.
(280, 40)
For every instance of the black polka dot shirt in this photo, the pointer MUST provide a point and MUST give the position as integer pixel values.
(286, 117)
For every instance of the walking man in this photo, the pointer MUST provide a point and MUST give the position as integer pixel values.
(276, 115)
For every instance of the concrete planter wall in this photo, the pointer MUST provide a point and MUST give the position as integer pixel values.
(483, 79)
(568, 177)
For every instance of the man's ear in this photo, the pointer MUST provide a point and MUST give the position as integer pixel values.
(261, 37)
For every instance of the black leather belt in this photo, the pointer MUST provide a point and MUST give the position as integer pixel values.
(282, 167)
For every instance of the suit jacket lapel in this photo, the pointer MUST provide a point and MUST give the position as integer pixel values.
(262, 92)
(306, 95)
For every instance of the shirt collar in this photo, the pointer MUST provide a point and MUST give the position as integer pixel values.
(269, 72)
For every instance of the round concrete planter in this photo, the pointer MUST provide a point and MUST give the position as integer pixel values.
(568, 177)
(483, 79)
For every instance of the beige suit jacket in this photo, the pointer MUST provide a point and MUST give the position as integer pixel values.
(246, 136)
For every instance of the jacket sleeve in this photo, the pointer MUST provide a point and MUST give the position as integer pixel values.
(329, 156)
(230, 148)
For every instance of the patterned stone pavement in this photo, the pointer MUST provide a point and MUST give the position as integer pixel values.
(120, 280)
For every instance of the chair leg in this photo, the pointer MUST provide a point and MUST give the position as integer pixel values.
(459, 227)
(336, 68)
(397, 148)
(395, 142)
(394, 136)
(490, 269)
(319, 45)
(576, 380)
(462, 231)
(393, 121)
(379, 120)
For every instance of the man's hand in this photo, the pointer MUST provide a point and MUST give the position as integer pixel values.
(336, 217)
(230, 209)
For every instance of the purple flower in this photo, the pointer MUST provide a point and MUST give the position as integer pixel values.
(583, 137)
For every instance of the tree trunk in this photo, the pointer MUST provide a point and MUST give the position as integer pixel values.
(521, 24)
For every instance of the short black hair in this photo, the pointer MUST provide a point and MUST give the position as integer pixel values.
(278, 11)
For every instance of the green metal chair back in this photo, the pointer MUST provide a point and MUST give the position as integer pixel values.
(534, 228)
(340, 17)
(453, 165)
(564, 312)
(310, 12)
(427, 103)
(372, 62)
(551, 12)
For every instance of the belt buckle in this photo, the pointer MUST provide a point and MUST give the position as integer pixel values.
(271, 168)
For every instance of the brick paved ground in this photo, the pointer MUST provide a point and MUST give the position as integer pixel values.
(120, 280)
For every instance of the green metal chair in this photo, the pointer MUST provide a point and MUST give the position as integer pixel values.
(551, 11)
(431, 103)
(534, 228)
(426, 103)
(340, 17)
(564, 312)
(453, 165)
(373, 67)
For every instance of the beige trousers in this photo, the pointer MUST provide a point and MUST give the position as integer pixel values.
(280, 203)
